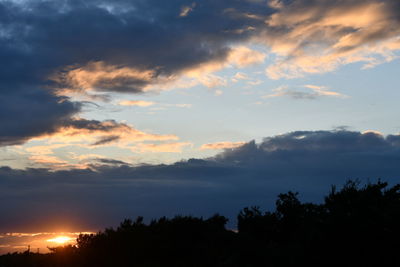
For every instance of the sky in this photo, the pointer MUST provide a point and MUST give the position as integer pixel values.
(117, 109)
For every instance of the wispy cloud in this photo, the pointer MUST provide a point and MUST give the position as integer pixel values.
(221, 145)
(304, 92)
(139, 103)
(91, 133)
(185, 10)
(161, 148)
(240, 76)
(320, 36)
(155, 105)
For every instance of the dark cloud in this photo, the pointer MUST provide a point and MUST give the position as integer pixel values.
(140, 34)
(95, 125)
(106, 140)
(41, 42)
(27, 114)
(41, 38)
(304, 161)
(111, 162)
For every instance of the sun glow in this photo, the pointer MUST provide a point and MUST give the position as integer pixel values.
(61, 239)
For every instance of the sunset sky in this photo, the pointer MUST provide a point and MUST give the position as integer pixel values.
(115, 109)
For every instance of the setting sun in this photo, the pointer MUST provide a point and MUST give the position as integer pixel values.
(61, 239)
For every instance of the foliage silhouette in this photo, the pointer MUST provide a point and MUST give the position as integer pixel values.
(354, 226)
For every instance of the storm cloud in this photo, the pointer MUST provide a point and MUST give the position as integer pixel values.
(253, 174)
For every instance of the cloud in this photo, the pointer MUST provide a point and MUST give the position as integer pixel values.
(238, 56)
(45, 149)
(183, 105)
(59, 157)
(221, 145)
(85, 157)
(316, 92)
(81, 131)
(239, 76)
(112, 162)
(212, 81)
(276, 4)
(54, 163)
(255, 82)
(115, 46)
(320, 36)
(252, 174)
(185, 10)
(25, 115)
(139, 103)
(243, 76)
(98, 76)
(243, 56)
(163, 148)
(160, 106)
(47, 160)
(49, 56)
(218, 92)
(106, 139)
(53, 151)
(102, 77)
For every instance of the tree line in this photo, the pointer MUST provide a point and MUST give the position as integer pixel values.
(354, 226)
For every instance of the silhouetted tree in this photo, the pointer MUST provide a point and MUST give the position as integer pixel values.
(354, 226)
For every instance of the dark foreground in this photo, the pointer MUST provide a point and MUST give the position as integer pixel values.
(355, 226)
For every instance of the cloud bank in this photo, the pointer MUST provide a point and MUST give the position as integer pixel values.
(252, 174)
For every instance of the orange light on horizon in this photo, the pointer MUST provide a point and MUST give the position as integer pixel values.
(61, 240)
(37, 242)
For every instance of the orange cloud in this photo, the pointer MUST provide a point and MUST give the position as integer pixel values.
(99, 76)
(222, 145)
(91, 134)
(320, 37)
(54, 163)
(94, 77)
(242, 56)
(87, 132)
(139, 103)
(204, 74)
(44, 156)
